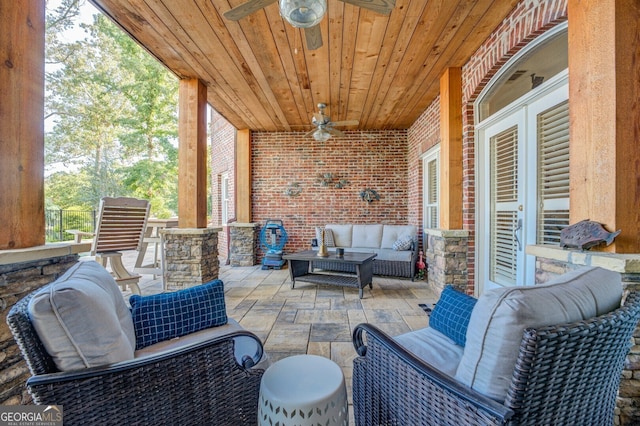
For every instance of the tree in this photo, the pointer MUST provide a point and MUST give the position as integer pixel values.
(114, 111)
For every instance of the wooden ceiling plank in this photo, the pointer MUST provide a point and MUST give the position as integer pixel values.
(471, 31)
(424, 41)
(318, 70)
(371, 32)
(289, 44)
(206, 45)
(349, 32)
(334, 46)
(266, 74)
(402, 24)
(155, 37)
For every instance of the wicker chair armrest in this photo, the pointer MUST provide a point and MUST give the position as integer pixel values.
(161, 389)
(457, 402)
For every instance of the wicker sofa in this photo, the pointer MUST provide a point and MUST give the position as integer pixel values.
(534, 355)
(209, 376)
(374, 238)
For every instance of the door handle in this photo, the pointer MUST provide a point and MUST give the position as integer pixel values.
(515, 234)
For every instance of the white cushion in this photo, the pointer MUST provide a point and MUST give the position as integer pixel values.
(82, 319)
(501, 315)
(341, 234)
(243, 345)
(366, 236)
(434, 348)
(403, 243)
(391, 234)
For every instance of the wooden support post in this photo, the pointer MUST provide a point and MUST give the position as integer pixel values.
(604, 92)
(451, 149)
(243, 176)
(192, 154)
(22, 124)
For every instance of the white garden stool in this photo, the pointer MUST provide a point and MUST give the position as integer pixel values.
(303, 390)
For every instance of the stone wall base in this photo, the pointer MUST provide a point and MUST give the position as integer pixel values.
(243, 244)
(190, 257)
(17, 279)
(552, 261)
(446, 258)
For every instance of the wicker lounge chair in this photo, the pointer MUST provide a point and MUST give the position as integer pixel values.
(564, 374)
(196, 384)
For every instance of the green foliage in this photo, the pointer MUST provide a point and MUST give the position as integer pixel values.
(113, 110)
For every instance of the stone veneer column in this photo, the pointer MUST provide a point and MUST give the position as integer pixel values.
(21, 272)
(552, 261)
(190, 256)
(243, 244)
(446, 258)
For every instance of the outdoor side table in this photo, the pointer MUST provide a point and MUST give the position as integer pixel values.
(303, 390)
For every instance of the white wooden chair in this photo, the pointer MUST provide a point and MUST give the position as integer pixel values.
(120, 226)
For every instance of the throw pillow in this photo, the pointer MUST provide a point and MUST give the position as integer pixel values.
(452, 313)
(165, 316)
(82, 319)
(403, 242)
(328, 237)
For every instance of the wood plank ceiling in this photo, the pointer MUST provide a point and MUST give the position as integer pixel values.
(382, 71)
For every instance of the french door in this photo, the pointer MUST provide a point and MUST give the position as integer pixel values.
(523, 184)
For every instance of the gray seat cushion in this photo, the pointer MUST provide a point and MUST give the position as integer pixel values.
(501, 315)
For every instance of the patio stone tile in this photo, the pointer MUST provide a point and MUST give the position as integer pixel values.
(280, 340)
(264, 292)
(307, 316)
(319, 348)
(343, 354)
(300, 304)
(332, 291)
(376, 316)
(237, 291)
(356, 317)
(286, 315)
(261, 321)
(346, 304)
(385, 303)
(330, 332)
(393, 328)
(323, 304)
(416, 322)
(267, 304)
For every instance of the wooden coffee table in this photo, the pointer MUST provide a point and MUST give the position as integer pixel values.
(301, 269)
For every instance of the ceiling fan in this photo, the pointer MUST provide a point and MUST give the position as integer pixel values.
(324, 126)
(306, 14)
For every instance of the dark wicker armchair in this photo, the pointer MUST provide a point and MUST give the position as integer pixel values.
(565, 374)
(199, 384)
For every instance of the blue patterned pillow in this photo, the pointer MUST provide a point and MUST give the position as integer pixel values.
(165, 316)
(452, 313)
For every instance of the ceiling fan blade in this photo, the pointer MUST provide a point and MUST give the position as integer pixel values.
(345, 123)
(334, 132)
(310, 133)
(314, 37)
(380, 6)
(247, 8)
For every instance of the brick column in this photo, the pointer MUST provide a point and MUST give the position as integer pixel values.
(190, 256)
(243, 244)
(446, 258)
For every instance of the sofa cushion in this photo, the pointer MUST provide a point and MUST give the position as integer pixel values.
(389, 254)
(452, 313)
(434, 348)
(501, 315)
(366, 236)
(391, 234)
(341, 234)
(243, 345)
(328, 237)
(82, 319)
(404, 242)
(168, 315)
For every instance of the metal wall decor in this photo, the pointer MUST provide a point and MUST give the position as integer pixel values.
(369, 195)
(293, 190)
(329, 179)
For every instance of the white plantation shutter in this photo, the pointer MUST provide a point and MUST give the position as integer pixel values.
(431, 189)
(504, 201)
(553, 173)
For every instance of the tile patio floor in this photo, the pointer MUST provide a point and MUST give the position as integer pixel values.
(314, 319)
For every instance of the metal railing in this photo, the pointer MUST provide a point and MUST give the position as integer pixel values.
(57, 222)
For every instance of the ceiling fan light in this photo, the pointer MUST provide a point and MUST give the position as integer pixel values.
(321, 135)
(303, 13)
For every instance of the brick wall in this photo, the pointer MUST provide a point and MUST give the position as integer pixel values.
(373, 159)
(222, 137)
